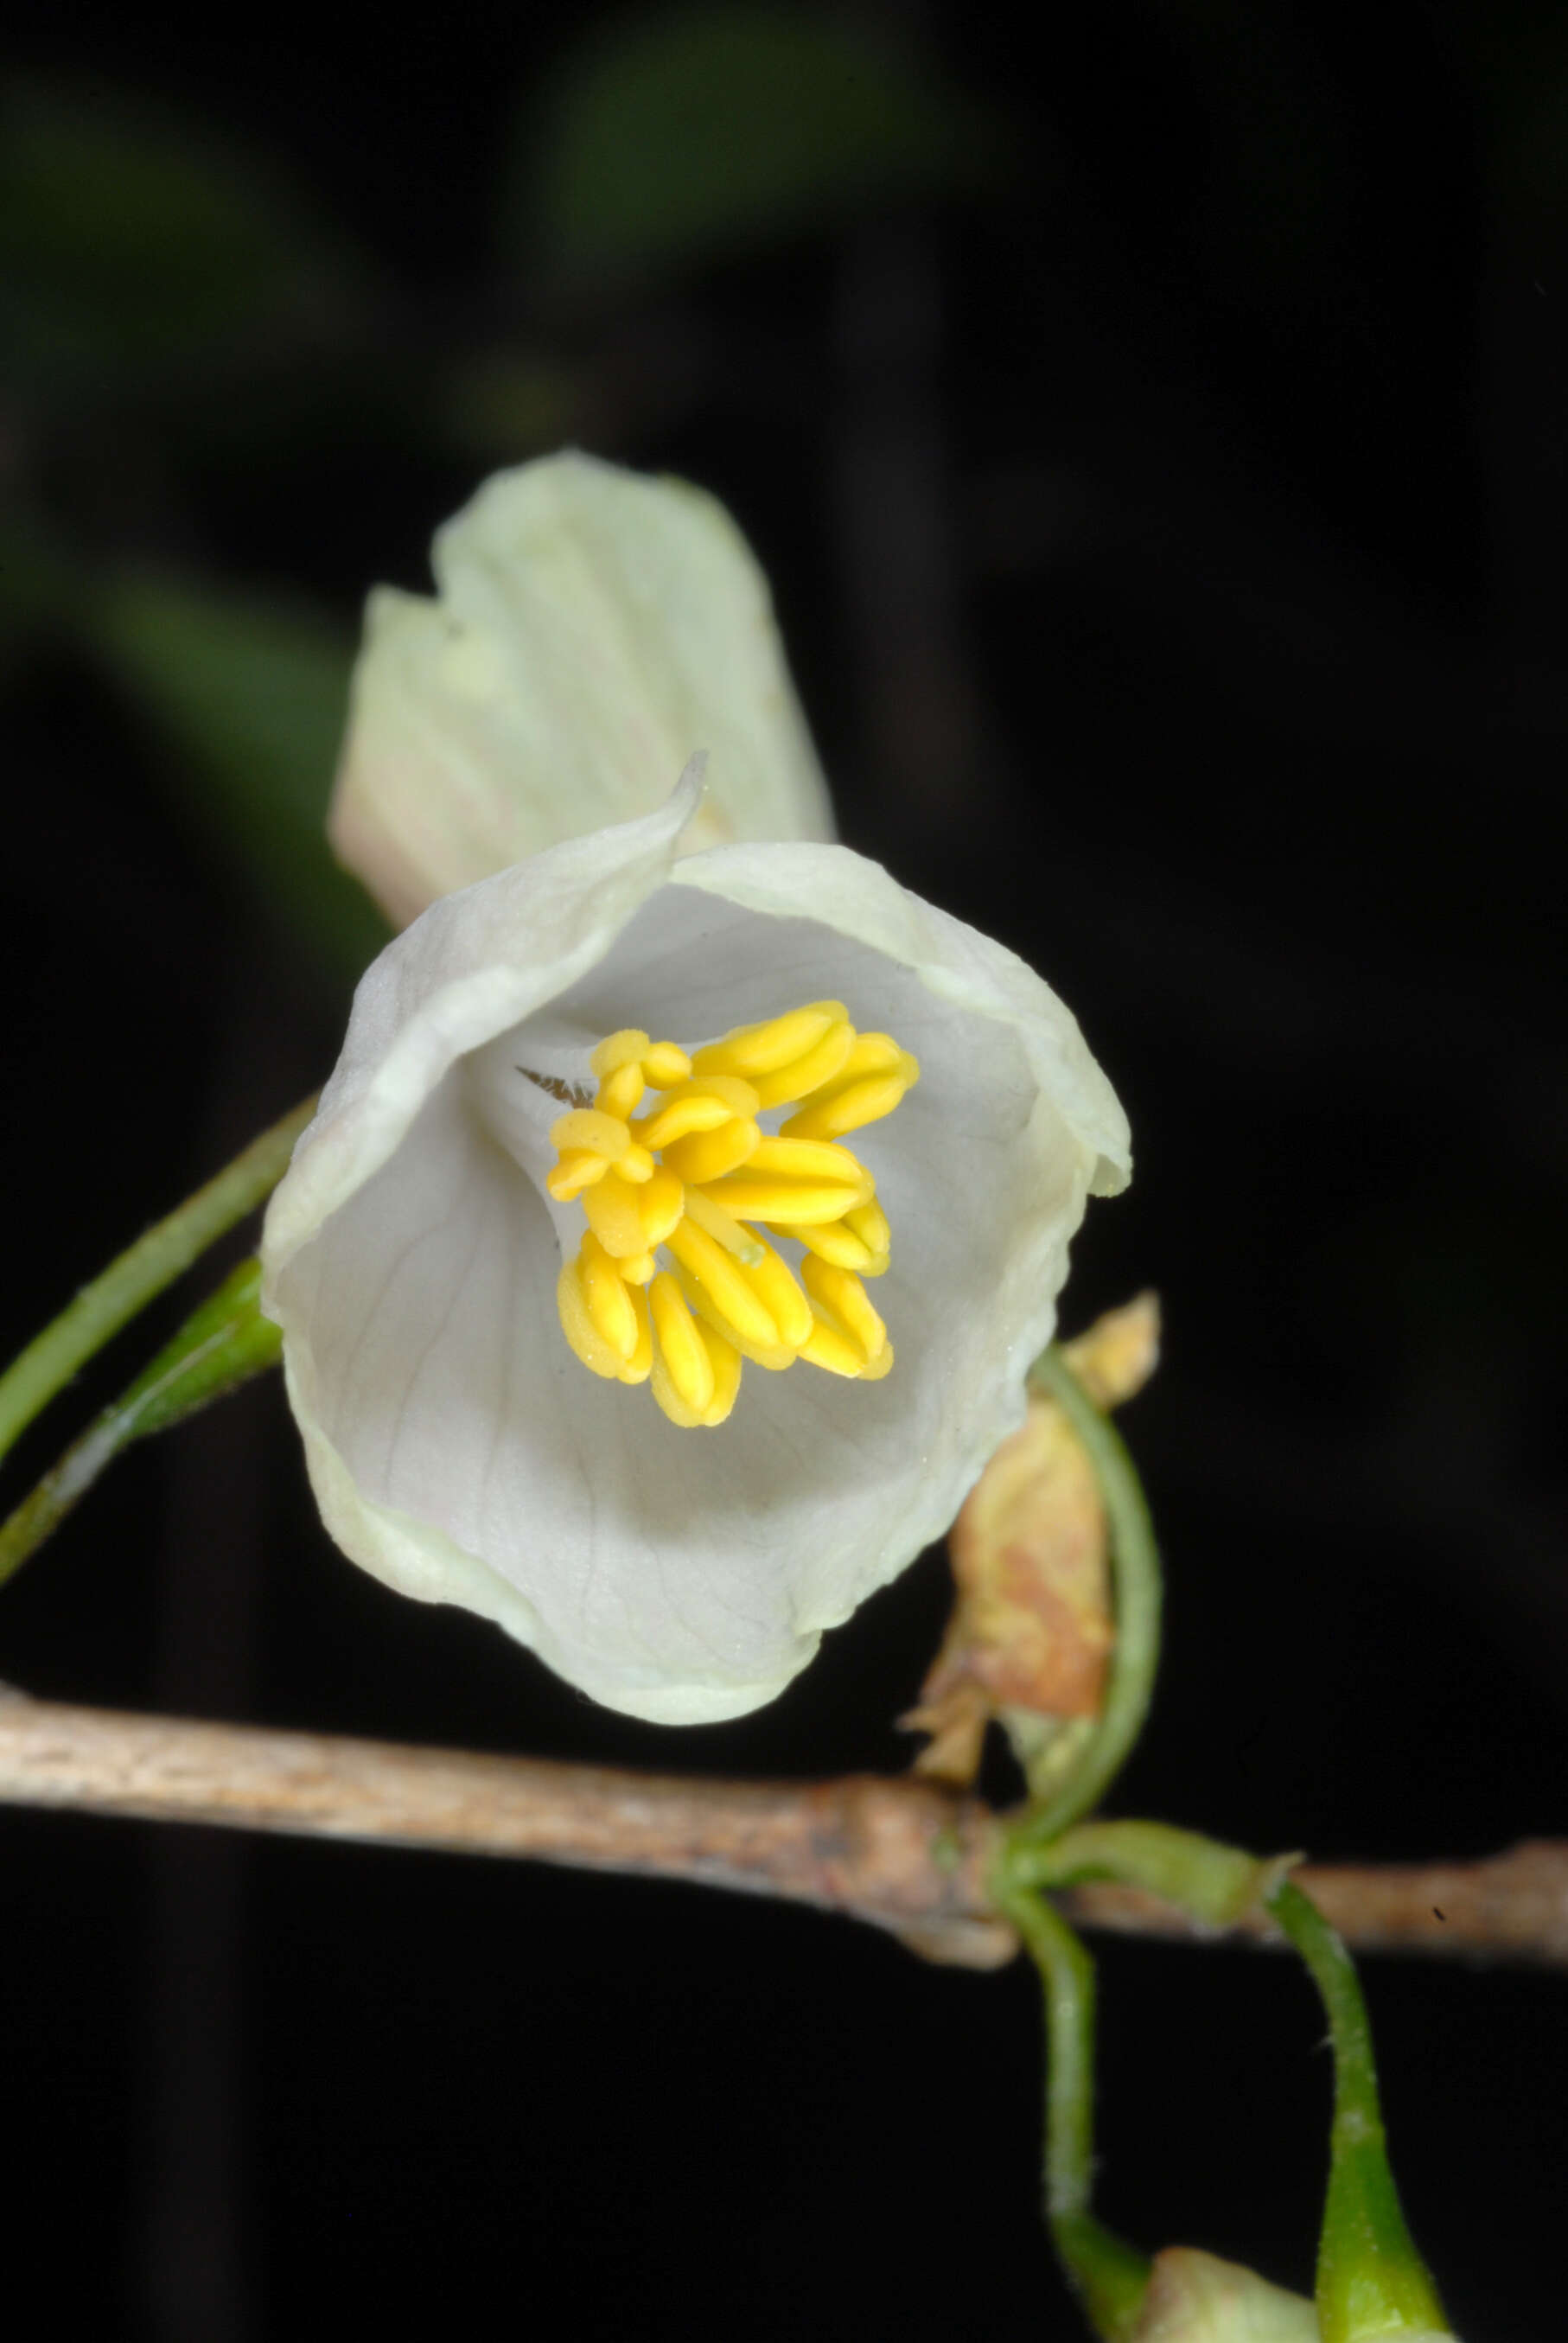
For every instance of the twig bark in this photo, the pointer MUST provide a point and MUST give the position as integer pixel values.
(1501, 1907)
(901, 1854)
(898, 1852)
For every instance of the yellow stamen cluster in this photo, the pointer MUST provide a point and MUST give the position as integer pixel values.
(675, 1283)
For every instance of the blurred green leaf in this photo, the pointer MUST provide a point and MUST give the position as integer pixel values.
(130, 245)
(683, 136)
(38, 583)
(250, 695)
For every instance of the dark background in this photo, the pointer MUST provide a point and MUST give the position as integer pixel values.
(1157, 441)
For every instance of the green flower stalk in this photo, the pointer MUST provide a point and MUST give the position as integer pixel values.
(220, 1346)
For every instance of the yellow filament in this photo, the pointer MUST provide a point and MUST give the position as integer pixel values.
(722, 1226)
(695, 1181)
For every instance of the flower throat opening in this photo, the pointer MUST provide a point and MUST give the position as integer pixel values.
(676, 1284)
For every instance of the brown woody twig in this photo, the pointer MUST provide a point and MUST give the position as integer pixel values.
(898, 1852)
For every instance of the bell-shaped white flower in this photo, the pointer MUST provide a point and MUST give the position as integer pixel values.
(459, 1446)
(591, 627)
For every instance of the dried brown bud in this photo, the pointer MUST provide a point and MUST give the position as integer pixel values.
(1031, 1631)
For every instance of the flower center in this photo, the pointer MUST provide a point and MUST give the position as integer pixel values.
(675, 1283)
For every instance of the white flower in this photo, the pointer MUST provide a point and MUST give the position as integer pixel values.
(1195, 2297)
(461, 1452)
(591, 628)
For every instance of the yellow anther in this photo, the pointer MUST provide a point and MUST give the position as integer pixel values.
(629, 1047)
(848, 1106)
(638, 1368)
(833, 1240)
(723, 1226)
(578, 1327)
(869, 1224)
(871, 1053)
(687, 1182)
(611, 1206)
(683, 1353)
(579, 1168)
(587, 1126)
(773, 1283)
(724, 1360)
(709, 1154)
(825, 1346)
(760, 1048)
(810, 1072)
(775, 1357)
(620, 1092)
(841, 1294)
(660, 1202)
(680, 1346)
(808, 1159)
(723, 1286)
(739, 1096)
(663, 1064)
(788, 1203)
(697, 1110)
(609, 1303)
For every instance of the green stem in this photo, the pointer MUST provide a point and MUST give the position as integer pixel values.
(220, 1346)
(1109, 2276)
(1136, 1587)
(1218, 1884)
(154, 1261)
(1371, 2282)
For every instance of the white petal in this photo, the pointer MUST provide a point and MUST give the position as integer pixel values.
(475, 964)
(983, 1172)
(592, 628)
(458, 1447)
(1195, 2297)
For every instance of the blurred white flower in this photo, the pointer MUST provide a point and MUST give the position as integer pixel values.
(464, 1450)
(1195, 2297)
(591, 628)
